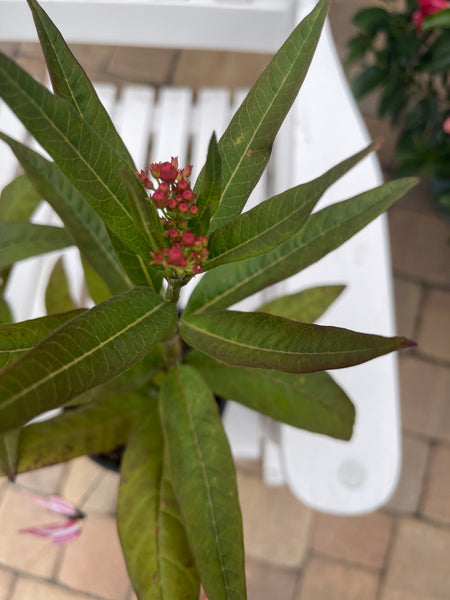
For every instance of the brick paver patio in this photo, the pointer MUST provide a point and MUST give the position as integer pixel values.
(398, 553)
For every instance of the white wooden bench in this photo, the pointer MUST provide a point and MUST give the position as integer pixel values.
(323, 127)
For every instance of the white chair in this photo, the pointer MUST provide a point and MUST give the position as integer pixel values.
(322, 128)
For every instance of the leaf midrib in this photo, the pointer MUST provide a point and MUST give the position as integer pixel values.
(205, 478)
(272, 350)
(69, 143)
(67, 366)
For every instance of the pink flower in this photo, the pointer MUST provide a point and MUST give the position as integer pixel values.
(63, 532)
(176, 257)
(428, 7)
(446, 126)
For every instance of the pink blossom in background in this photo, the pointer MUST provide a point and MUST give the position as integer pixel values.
(428, 7)
(60, 533)
(446, 126)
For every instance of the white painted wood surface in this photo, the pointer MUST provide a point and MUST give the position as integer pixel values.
(323, 127)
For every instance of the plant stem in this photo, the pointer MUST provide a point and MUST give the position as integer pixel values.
(172, 349)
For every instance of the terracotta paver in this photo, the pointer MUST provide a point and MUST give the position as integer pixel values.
(43, 481)
(325, 580)
(434, 332)
(419, 245)
(6, 583)
(25, 552)
(31, 589)
(419, 560)
(409, 488)
(104, 496)
(362, 539)
(425, 397)
(266, 582)
(407, 300)
(390, 594)
(84, 475)
(436, 503)
(276, 524)
(94, 563)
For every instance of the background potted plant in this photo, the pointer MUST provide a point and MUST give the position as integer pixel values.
(405, 56)
(122, 362)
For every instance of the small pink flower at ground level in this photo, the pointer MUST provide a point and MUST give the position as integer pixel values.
(427, 7)
(60, 533)
(186, 253)
(446, 126)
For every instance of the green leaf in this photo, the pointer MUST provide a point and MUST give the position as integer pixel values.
(89, 350)
(371, 19)
(91, 429)
(5, 311)
(367, 81)
(18, 200)
(270, 342)
(312, 401)
(151, 531)
(8, 453)
(204, 481)
(143, 211)
(71, 82)
(57, 294)
(272, 222)
(20, 240)
(210, 191)
(246, 145)
(80, 220)
(81, 153)
(324, 231)
(437, 20)
(97, 288)
(18, 338)
(307, 305)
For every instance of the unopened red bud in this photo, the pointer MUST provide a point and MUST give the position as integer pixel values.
(186, 172)
(188, 196)
(188, 238)
(172, 204)
(176, 257)
(173, 233)
(167, 172)
(183, 208)
(160, 199)
(154, 169)
(183, 185)
(197, 268)
(164, 187)
(193, 209)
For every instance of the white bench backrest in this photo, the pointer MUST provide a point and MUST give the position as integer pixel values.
(241, 25)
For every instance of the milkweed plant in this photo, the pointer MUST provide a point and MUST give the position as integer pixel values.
(135, 370)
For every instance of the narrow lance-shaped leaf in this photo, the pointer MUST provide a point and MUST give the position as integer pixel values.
(312, 401)
(89, 350)
(8, 453)
(272, 222)
(18, 200)
(246, 145)
(71, 82)
(307, 305)
(91, 429)
(210, 190)
(204, 481)
(324, 231)
(23, 240)
(151, 531)
(80, 220)
(18, 338)
(81, 153)
(57, 294)
(143, 211)
(271, 342)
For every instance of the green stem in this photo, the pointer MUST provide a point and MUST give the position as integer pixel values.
(172, 349)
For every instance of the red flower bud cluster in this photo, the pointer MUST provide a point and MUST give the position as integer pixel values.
(173, 196)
